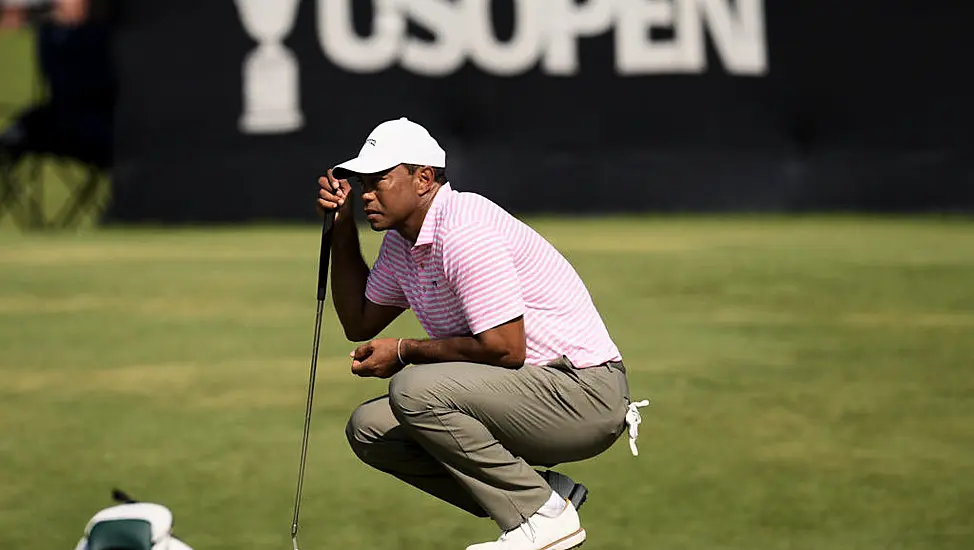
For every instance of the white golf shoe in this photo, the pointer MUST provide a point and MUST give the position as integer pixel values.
(541, 532)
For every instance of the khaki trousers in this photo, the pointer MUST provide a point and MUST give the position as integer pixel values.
(469, 434)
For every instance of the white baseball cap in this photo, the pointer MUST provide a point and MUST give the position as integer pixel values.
(391, 143)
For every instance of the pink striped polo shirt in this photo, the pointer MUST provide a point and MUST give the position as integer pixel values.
(474, 266)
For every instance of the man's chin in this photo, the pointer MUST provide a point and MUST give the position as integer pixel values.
(377, 224)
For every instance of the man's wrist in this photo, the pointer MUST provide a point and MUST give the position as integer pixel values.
(404, 349)
(346, 222)
(346, 233)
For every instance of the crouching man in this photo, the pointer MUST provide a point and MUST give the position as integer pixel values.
(519, 370)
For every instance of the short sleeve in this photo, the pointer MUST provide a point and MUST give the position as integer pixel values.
(383, 287)
(479, 266)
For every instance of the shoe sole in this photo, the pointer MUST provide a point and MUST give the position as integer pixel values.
(573, 540)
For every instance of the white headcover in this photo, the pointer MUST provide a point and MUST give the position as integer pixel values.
(159, 517)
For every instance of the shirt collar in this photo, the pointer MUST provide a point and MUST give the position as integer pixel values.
(430, 222)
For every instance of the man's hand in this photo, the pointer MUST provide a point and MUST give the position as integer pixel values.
(377, 358)
(12, 17)
(333, 194)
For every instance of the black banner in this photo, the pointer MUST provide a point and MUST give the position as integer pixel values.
(229, 111)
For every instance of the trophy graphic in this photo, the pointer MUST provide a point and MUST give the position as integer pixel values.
(270, 72)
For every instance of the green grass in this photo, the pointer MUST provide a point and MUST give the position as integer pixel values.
(811, 380)
(16, 70)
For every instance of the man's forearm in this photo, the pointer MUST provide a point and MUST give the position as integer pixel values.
(349, 275)
(461, 348)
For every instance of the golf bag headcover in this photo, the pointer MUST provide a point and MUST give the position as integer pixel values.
(131, 526)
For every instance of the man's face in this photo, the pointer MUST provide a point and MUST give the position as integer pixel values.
(389, 197)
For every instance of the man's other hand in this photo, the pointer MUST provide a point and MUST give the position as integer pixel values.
(377, 358)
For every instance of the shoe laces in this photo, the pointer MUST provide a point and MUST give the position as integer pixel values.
(634, 419)
(527, 528)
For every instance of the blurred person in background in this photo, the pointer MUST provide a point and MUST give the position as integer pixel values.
(74, 118)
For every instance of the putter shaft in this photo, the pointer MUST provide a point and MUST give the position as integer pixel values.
(307, 424)
(323, 261)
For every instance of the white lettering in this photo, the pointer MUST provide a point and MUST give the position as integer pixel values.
(547, 31)
(517, 55)
(740, 40)
(567, 20)
(346, 49)
(446, 53)
(638, 53)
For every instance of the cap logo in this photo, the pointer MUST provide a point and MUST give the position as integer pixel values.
(370, 141)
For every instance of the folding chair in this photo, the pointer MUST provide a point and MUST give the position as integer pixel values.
(22, 185)
(67, 130)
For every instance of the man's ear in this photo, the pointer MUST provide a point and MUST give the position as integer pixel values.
(425, 179)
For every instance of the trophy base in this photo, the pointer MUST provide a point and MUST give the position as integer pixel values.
(271, 122)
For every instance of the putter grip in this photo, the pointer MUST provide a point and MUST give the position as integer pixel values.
(325, 254)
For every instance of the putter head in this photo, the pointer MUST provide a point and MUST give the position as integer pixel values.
(566, 487)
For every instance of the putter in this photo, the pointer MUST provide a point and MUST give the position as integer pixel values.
(322, 283)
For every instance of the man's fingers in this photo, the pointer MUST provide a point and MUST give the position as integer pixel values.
(329, 199)
(335, 183)
(332, 194)
(362, 351)
(362, 368)
(341, 187)
(327, 189)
